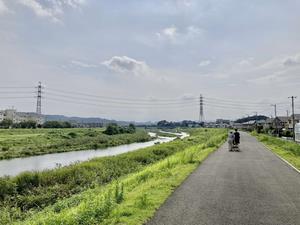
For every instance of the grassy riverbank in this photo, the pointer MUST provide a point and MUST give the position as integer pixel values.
(88, 193)
(28, 142)
(288, 150)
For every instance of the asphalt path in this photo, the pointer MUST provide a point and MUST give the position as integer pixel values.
(251, 187)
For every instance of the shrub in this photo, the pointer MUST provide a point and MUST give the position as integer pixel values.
(7, 188)
(26, 181)
(143, 201)
(72, 135)
(5, 148)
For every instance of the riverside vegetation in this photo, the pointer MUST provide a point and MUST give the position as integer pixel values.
(288, 150)
(123, 189)
(28, 142)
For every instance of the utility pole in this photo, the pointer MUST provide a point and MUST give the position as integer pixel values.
(39, 99)
(275, 109)
(201, 115)
(275, 112)
(293, 114)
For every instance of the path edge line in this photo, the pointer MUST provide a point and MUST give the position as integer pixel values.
(282, 159)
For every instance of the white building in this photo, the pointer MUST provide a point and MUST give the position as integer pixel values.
(30, 116)
(1, 116)
(18, 117)
(297, 132)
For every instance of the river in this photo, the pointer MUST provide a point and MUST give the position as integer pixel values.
(12, 167)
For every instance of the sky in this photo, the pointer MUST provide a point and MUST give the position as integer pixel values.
(150, 60)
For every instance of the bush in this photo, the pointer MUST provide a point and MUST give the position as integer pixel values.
(56, 124)
(7, 188)
(6, 123)
(5, 148)
(113, 129)
(72, 135)
(26, 181)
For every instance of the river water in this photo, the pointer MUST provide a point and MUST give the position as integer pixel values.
(15, 166)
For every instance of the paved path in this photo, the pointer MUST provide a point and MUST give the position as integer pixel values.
(251, 187)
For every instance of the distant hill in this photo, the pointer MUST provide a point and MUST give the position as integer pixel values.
(90, 120)
(251, 118)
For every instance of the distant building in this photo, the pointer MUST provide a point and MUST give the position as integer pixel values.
(1, 116)
(222, 121)
(290, 120)
(30, 116)
(268, 123)
(297, 132)
(281, 122)
(18, 117)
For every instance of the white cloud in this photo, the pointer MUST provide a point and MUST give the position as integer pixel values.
(40, 10)
(83, 64)
(180, 4)
(186, 3)
(168, 33)
(3, 7)
(124, 64)
(193, 32)
(282, 70)
(175, 36)
(245, 62)
(53, 9)
(292, 60)
(204, 63)
(70, 3)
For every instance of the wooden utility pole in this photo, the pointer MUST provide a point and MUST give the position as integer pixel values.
(275, 120)
(293, 114)
(275, 109)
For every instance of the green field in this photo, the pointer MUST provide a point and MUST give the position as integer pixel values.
(28, 142)
(288, 150)
(123, 189)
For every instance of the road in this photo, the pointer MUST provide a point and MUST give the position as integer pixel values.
(251, 187)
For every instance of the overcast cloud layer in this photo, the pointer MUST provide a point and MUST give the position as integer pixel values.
(245, 51)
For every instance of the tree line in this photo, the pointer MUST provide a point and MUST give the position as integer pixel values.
(30, 124)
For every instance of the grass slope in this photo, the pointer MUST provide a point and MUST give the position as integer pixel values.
(133, 198)
(28, 142)
(288, 150)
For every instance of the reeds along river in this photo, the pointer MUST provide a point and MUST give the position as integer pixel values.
(13, 167)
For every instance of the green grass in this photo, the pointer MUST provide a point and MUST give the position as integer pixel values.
(288, 150)
(28, 142)
(128, 198)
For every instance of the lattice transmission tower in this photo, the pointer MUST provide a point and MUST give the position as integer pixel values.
(39, 99)
(201, 113)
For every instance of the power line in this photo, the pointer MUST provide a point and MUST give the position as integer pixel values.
(17, 92)
(119, 98)
(16, 87)
(224, 105)
(119, 102)
(235, 101)
(105, 105)
(16, 97)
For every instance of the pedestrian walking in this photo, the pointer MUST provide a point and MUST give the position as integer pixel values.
(236, 137)
(230, 140)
